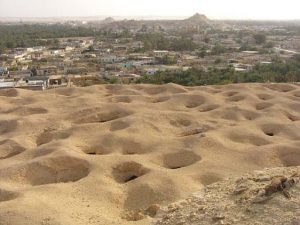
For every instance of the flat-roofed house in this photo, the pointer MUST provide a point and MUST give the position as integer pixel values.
(160, 53)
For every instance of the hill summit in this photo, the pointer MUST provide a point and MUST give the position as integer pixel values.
(198, 18)
(109, 20)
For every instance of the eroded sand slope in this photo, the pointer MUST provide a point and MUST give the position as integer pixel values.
(91, 155)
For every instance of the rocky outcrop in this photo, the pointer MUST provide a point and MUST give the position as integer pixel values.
(198, 18)
(264, 197)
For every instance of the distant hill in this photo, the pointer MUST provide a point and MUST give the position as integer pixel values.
(108, 20)
(197, 18)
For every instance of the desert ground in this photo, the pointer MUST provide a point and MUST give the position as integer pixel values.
(100, 154)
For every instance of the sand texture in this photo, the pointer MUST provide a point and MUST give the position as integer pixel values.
(102, 154)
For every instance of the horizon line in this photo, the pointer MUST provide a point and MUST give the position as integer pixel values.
(153, 17)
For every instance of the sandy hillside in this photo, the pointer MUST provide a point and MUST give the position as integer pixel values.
(99, 154)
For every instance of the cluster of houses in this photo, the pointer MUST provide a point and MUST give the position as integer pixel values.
(34, 83)
(73, 60)
(40, 68)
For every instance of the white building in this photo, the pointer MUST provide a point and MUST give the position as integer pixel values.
(160, 54)
(112, 59)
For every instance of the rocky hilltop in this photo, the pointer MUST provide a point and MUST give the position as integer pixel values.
(198, 18)
(108, 20)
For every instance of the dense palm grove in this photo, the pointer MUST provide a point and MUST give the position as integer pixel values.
(278, 71)
(20, 36)
(25, 35)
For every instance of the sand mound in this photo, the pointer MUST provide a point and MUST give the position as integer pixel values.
(114, 142)
(292, 117)
(66, 92)
(263, 105)
(48, 136)
(181, 122)
(188, 101)
(145, 194)
(27, 111)
(297, 94)
(209, 107)
(8, 126)
(235, 113)
(122, 99)
(281, 87)
(210, 178)
(160, 99)
(119, 125)
(169, 88)
(247, 138)
(264, 96)
(115, 154)
(7, 195)
(180, 159)
(46, 171)
(289, 155)
(10, 148)
(236, 98)
(128, 171)
(9, 92)
(97, 115)
(157, 189)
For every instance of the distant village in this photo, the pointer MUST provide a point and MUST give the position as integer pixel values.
(83, 61)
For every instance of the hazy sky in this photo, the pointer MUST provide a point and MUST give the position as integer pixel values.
(218, 9)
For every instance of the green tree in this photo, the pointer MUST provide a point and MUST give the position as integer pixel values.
(218, 61)
(218, 49)
(269, 45)
(10, 44)
(260, 38)
(202, 54)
